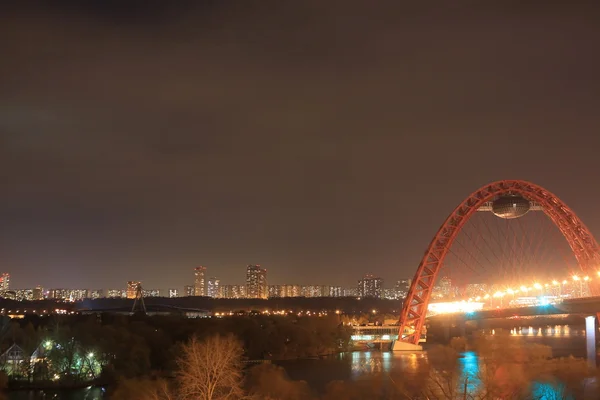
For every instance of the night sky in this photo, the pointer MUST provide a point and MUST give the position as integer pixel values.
(320, 139)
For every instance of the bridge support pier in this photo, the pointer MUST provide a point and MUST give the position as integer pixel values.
(403, 346)
(590, 340)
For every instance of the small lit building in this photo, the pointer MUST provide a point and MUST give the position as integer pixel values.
(15, 360)
(12, 361)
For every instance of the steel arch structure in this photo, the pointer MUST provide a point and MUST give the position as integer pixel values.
(582, 243)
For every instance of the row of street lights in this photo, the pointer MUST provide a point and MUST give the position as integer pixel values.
(536, 286)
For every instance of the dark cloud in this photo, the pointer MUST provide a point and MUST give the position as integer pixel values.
(321, 139)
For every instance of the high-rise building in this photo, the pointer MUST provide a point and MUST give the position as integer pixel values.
(132, 289)
(305, 291)
(389, 293)
(173, 293)
(151, 292)
(233, 291)
(401, 288)
(370, 286)
(66, 294)
(350, 292)
(188, 290)
(292, 290)
(5, 281)
(57, 293)
(276, 291)
(116, 293)
(199, 282)
(212, 287)
(315, 291)
(23, 294)
(256, 282)
(96, 294)
(38, 293)
(78, 294)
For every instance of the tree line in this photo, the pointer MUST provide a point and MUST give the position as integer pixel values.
(101, 348)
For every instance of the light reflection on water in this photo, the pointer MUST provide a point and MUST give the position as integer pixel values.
(549, 331)
(549, 391)
(563, 339)
(469, 365)
(89, 393)
(370, 362)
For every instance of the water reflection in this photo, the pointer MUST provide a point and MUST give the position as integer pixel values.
(470, 371)
(387, 361)
(548, 331)
(549, 391)
(469, 374)
(89, 393)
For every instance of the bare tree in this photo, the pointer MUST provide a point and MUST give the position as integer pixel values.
(211, 369)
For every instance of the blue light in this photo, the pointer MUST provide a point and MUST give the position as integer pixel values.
(549, 391)
(470, 371)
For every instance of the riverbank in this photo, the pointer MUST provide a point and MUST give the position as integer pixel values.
(53, 385)
(319, 371)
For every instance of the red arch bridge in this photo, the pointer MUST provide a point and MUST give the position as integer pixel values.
(510, 244)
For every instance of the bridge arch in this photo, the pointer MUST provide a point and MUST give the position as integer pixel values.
(580, 240)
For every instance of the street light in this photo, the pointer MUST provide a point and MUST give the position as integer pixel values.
(586, 279)
(512, 293)
(556, 283)
(500, 295)
(576, 278)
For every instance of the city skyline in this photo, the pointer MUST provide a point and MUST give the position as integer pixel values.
(369, 286)
(208, 273)
(197, 279)
(274, 137)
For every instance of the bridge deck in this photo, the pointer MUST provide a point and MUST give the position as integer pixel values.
(581, 306)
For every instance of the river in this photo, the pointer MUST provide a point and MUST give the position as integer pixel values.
(564, 340)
